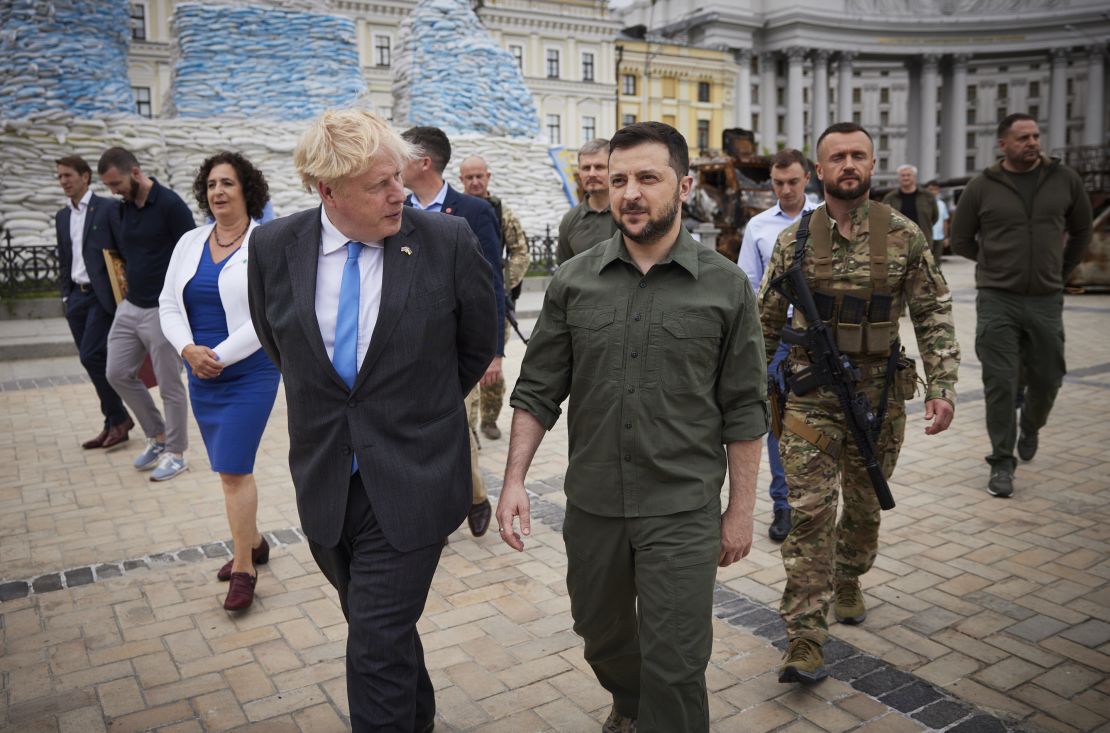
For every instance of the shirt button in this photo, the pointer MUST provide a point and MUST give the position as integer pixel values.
(346, 450)
(628, 425)
(636, 317)
(634, 354)
(631, 390)
(643, 284)
(351, 403)
(627, 457)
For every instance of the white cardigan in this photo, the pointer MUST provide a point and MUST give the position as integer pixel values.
(242, 341)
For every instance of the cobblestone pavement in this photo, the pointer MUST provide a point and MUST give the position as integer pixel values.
(985, 614)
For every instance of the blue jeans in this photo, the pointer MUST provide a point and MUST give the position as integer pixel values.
(778, 476)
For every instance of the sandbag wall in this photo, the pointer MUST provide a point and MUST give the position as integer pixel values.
(172, 149)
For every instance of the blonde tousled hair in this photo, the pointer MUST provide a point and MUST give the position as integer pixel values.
(341, 143)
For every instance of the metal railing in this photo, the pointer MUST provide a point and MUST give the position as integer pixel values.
(541, 253)
(26, 269)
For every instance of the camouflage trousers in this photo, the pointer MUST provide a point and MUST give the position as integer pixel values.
(478, 485)
(493, 396)
(821, 549)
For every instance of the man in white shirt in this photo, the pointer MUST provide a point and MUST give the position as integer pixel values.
(82, 233)
(789, 178)
(940, 229)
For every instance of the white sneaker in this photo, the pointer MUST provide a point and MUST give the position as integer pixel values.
(148, 459)
(169, 465)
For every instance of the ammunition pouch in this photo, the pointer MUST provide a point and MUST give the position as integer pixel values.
(906, 381)
(777, 402)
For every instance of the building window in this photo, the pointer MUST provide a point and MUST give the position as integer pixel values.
(884, 163)
(781, 122)
(1035, 111)
(971, 116)
(857, 95)
(780, 96)
(1070, 87)
(884, 118)
(884, 142)
(383, 53)
(969, 163)
(587, 66)
(1003, 92)
(971, 93)
(884, 95)
(142, 101)
(138, 22)
(1034, 89)
(970, 142)
(518, 53)
(856, 118)
(552, 63)
(1000, 113)
(703, 134)
(703, 92)
(755, 94)
(627, 120)
(554, 130)
(755, 121)
(589, 128)
(628, 84)
(670, 87)
(805, 95)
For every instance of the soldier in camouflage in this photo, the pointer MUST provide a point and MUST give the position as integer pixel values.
(846, 263)
(475, 175)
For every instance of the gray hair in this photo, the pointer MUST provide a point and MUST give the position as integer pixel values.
(597, 145)
(908, 167)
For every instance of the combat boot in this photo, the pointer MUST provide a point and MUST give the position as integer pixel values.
(804, 662)
(617, 723)
(848, 605)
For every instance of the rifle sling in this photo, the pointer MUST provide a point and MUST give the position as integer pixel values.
(812, 435)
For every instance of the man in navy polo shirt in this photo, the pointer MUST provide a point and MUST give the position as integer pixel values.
(150, 220)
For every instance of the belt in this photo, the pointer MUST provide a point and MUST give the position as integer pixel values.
(84, 287)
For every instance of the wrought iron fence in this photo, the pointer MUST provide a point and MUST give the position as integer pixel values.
(541, 253)
(27, 268)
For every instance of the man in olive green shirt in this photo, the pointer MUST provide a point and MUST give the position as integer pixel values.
(590, 221)
(657, 342)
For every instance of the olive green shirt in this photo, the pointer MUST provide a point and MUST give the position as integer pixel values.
(662, 370)
(581, 228)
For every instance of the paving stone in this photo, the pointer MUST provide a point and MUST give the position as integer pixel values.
(911, 697)
(881, 681)
(1037, 628)
(979, 724)
(1092, 633)
(108, 570)
(14, 589)
(79, 576)
(47, 583)
(942, 713)
(855, 667)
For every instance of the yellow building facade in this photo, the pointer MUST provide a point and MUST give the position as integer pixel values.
(686, 87)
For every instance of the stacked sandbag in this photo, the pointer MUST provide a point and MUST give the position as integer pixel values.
(451, 73)
(172, 149)
(64, 55)
(254, 61)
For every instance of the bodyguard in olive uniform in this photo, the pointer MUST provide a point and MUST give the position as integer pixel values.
(866, 263)
(590, 221)
(656, 340)
(1011, 220)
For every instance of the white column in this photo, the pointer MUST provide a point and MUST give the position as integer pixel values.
(820, 97)
(743, 95)
(955, 150)
(913, 112)
(844, 88)
(1058, 102)
(768, 103)
(795, 112)
(927, 167)
(1094, 124)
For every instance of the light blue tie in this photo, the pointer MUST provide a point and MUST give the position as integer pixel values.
(345, 351)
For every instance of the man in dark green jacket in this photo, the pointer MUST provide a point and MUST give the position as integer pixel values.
(917, 205)
(1011, 220)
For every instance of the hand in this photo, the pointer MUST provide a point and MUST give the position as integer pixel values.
(736, 537)
(513, 503)
(940, 412)
(203, 361)
(493, 373)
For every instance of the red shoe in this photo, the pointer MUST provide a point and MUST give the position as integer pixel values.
(240, 594)
(259, 556)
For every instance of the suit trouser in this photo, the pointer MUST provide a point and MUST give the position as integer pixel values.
(641, 595)
(778, 490)
(135, 333)
(477, 483)
(820, 549)
(1018, 339)
(89, 323)
(382, 592)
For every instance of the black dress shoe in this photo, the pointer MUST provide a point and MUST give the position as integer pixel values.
(1027, 446)
(478, 518)
(780, 526)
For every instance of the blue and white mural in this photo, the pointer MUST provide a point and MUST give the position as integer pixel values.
(451, 73)
(66, 55)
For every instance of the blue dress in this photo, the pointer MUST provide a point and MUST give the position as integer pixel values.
(233, 408)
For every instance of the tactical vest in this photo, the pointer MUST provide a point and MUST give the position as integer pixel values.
(861, 317)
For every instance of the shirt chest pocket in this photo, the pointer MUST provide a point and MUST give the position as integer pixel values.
(595, 346)
(684, 351)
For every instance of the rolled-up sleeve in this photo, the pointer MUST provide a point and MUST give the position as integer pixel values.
(742, 384)
(545, 373)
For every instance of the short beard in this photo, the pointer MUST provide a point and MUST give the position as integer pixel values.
(845, 194)
(656, 227)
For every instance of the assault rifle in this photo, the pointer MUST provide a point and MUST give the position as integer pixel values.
(831, 367)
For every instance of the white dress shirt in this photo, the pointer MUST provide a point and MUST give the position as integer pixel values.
(760, 235)
(78, 273)
(942, 215)
(329, 278)
(435, 204)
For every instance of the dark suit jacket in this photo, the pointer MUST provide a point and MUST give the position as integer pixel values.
(97, 237)
(483, 221)
(404, 418)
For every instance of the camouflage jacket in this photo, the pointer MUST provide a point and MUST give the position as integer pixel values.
(516, 244)
(913, 278)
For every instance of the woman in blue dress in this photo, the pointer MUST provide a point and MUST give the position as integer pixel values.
(232, 383)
